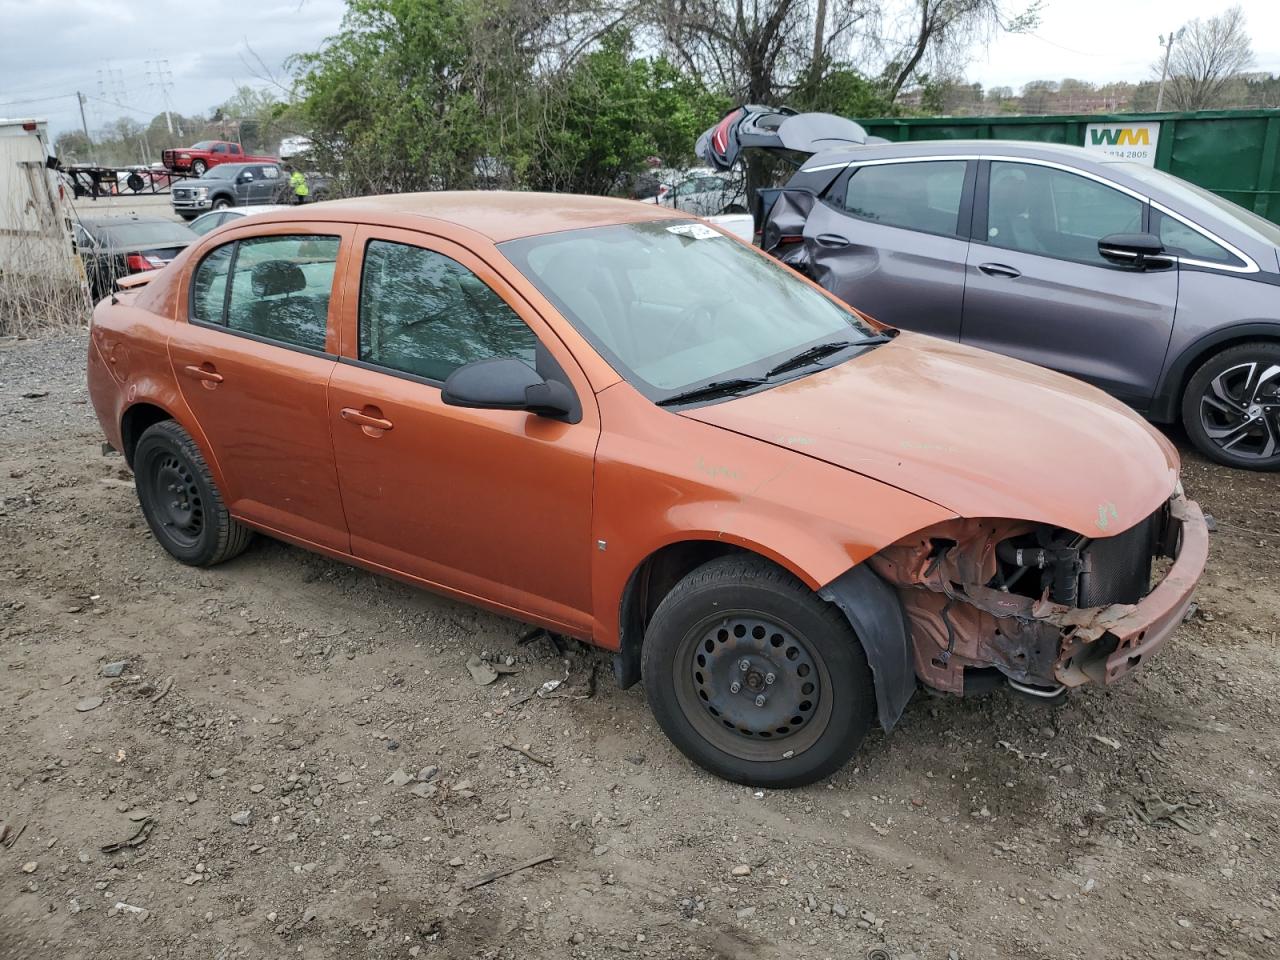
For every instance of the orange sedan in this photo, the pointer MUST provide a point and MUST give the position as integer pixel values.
(628, 427)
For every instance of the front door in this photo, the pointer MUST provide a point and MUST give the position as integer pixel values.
(891, 238)
(1037, 289)
(490, 504)
(254, 361)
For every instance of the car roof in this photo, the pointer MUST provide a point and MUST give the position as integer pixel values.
(499, 215)
(924, 148)
(99, 222)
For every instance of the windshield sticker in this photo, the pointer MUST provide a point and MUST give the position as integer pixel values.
(695, 231)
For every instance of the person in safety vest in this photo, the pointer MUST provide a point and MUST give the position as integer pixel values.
(300, 189)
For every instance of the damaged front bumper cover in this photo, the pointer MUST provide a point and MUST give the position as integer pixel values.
(957, 620)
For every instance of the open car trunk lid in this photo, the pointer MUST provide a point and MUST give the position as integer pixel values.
(753, 127)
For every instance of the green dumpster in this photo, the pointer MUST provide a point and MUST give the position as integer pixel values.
(1231, 152)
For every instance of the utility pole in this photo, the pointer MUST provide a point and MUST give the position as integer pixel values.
(84, 125)
(1164, 69)
(819, 43)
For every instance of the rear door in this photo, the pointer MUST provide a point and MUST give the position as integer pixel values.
(1037, 289)
(254, 360)
(890, 238)
(267, 184)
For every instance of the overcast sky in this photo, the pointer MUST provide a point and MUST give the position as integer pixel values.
(106, 49)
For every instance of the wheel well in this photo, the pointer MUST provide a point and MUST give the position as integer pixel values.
(135, 422)
(1168, 406)
(650, 582)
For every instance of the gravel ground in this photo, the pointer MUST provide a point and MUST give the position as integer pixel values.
(306, 768)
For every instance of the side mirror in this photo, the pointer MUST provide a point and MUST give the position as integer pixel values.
(1142, 251)
(504, 383)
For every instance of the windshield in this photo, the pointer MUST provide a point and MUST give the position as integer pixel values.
(223, 171)
(156, 233)
(202, 145)
(1191, 199)
(675, 305)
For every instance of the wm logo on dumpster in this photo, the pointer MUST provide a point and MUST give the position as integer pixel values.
(1121, 137)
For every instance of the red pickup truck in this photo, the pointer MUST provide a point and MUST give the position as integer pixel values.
(206, 154)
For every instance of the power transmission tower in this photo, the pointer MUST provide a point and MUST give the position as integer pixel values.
(160, 78)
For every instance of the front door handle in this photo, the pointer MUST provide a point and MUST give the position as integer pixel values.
(831, 240)
(373, 423)
(204, 372)
(999, 270)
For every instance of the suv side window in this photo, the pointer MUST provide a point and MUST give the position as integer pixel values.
(424, 314)
(279, 288)
(1182, 241)
(915, 196)
(1053, 213)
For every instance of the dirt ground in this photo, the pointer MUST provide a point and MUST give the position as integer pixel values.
(269, 708)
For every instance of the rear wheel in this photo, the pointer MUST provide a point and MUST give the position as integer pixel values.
(754, 678)
(1231, 408)
(180, 501)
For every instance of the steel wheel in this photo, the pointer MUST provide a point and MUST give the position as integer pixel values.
(756, 678)
(1240, 410)
(752, 686)
(179, 504)
(180, 500)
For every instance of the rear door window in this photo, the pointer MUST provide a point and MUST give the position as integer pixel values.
(277, 288)
(921, 196)
(425, 314)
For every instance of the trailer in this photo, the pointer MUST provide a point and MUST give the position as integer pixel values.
(39, 269)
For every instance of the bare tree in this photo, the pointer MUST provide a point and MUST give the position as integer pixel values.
(939, 34)
(758, 51)
(1208, 57)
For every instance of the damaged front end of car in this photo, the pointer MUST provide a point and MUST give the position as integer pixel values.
(1047, 608)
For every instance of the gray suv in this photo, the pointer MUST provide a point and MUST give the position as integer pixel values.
(1155, 290)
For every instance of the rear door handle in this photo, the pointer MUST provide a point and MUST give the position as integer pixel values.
(373, 423)
(204, 371)
(831, 240)
(999, 270)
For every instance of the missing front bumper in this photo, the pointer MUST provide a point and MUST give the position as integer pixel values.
(958, 621)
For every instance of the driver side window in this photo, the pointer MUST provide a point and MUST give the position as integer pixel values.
(424, 314)
(1053, 213)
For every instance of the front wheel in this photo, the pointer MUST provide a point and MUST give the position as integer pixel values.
(754, 678)
(222, 203)
(199, 167)
(1231, 408)
(180, 500)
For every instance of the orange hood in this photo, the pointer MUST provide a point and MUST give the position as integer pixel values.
(979, 434)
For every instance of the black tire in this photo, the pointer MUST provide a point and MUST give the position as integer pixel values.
(736, 609)
(222, 203)
(1231, 407)
(180, 501)
(199, 167)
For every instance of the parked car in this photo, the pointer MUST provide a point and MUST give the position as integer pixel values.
(231, 185)
(207, 154)
(704, 193)
(621, 424)
(1159, 292)
(115, 247)
(216, 218)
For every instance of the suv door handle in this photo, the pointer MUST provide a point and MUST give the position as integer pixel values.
(831, 240)
(999, 270)
(204, 372)
(372, 423)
